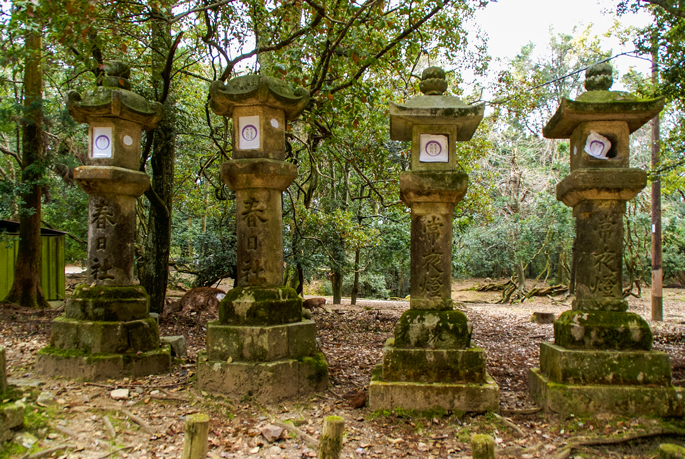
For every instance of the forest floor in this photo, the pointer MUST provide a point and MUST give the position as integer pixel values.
(73, 412)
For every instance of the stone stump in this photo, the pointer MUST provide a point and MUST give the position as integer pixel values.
(431, 363)
(260, 346)
(601, 360)
(107, 331)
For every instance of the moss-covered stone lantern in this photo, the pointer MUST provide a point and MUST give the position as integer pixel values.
(260, 345)
(601, 359)
(431, 362)
(107, 331)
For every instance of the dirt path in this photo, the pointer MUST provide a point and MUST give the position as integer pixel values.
(351, 338)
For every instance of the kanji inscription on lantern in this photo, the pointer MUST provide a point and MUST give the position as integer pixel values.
(103, 213)
(101, 142)
(433, 148)
(100, 270)
(605, 258)
(248, 132)
(253, 212)
(432, 228)
(101, 243)
(432, 280)
(251, 269)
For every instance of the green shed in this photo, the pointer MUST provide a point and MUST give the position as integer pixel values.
(52, 265)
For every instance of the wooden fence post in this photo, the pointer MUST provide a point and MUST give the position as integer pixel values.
(195, 440)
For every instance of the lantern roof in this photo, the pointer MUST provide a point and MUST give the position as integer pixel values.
(434, 108)
(257, 90)
(598, 103)
(114, 100)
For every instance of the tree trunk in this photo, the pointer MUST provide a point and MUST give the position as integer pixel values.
(572, 276)
(300, 279)
(336, 285)
(25, 290)
(154, 274)
(355, 283)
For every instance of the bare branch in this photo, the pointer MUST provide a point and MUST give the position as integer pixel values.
(178, 17)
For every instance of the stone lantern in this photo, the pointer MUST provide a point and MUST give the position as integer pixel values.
(107, 331)
(260, 345)
(431, 362)
(601, 359)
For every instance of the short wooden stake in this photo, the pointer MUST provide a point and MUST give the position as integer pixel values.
(3, 371)
(482, 447)
(330, 443)
(195, 440)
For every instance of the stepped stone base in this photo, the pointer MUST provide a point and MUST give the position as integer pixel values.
(468, 397)
(590, 400)
(73, 364)
(268, 382)
(265, 344)
(99, 337)
(434, 365)
(591, 367)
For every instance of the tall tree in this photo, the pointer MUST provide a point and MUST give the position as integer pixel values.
(154, 267)
(26, 290)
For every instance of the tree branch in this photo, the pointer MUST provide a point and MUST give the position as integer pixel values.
(166, 73)
(666, 6)
(276, 47)
(390, 46)
(178, 17)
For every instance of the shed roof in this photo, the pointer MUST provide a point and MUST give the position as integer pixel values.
(13, 227)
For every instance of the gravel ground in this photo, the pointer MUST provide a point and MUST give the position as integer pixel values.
(352, 338)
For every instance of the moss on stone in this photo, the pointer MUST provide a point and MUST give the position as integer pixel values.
(586, 367)
(434, 365)
(102, 303)
(260, 306)
(105, 293)
(602, 330)
(433, 330)
(319, 366)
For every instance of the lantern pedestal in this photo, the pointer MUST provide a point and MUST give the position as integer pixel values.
(587, 382)
(602, 360)
(106, 331)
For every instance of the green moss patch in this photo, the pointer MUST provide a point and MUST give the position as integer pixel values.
(101, 303)
(602, 330)
(434, 365)
(319, 368)
(433, 329)
(260, 306)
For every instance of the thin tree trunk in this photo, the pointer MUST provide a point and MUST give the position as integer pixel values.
(657, 271)
(25, 289)
(572, 275)
(155, 273)
(336, 285)
(355, 283)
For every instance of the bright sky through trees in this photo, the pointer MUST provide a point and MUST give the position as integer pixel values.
(510, 24)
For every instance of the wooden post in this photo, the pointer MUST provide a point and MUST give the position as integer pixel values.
(3, 371)
(482, 447)
(195, 440)
(330, 443)
(657, 271)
